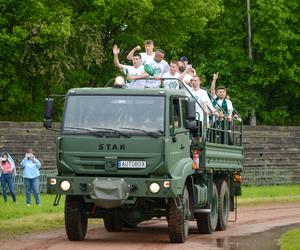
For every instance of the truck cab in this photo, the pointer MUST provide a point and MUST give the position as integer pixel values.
(130, 155)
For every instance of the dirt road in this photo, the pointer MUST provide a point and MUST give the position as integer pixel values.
(154, 234)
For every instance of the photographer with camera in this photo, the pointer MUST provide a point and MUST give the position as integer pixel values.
(8, 170)
(31, 174)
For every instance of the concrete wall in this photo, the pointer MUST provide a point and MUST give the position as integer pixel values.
(17, 137)
(266, 147)
(272, 155)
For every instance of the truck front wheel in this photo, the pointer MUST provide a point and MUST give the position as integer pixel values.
(207, 222)
(76, 218)
(223, 209)
(178, 218)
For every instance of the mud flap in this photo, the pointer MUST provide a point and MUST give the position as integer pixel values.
(109, 193)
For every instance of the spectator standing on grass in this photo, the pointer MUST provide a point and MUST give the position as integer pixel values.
(31, 174)
(7, 173)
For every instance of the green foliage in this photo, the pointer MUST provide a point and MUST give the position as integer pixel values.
(49, 47)
(276, 68)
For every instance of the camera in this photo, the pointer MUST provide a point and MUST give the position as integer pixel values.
(30, 156)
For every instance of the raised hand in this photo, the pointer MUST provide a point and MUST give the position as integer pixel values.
(215, 76)
(116, 50)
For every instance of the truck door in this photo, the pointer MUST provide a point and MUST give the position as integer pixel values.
(180, 140)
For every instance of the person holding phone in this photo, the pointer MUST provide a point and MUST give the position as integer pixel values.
(8, 170)
(31, 174)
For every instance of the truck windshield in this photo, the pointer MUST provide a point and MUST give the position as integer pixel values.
(131, 113)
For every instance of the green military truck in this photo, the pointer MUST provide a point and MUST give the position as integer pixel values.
(130, 155)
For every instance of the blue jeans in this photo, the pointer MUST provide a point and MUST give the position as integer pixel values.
(8, 179)
(34, 186)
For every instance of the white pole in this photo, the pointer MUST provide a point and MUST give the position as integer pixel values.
(250, 55)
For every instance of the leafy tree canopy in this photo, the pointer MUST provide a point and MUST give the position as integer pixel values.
(51, 46)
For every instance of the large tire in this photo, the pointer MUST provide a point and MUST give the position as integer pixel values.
(178, 218)
(129, 225)
(207, 222)
(113, 223)
(76, 219)
(223, 209)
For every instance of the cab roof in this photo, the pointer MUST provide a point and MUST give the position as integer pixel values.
(126, 91)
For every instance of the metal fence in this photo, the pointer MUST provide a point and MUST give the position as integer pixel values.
(19, 182)
(251, 176)
(270, 176)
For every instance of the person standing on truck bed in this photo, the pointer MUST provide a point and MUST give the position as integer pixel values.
(220, 100)
(220, 97)
(173, 73)
(133, 73)
(185, 60)
(148, 55)
(201, 96)
(156, 67)
(186, 70)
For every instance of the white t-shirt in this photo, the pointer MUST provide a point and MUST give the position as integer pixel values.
(145, 57)
(159, 69)
(132, 71)
(187, 78)
(171, 83)
(201, 96)
(187, 87)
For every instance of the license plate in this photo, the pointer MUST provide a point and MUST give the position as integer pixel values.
(131, 164)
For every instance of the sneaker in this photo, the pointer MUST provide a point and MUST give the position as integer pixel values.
(28, 205)
(39, 205)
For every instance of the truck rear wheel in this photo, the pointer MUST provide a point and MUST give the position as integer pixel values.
(113, 223)
(207, 222)
(223, 209)
(178, 218)
(76, 219)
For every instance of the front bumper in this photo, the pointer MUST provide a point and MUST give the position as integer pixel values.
(137, 187)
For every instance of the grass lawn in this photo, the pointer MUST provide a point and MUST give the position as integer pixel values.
(290, 240)
(17, 219)
(269, 194)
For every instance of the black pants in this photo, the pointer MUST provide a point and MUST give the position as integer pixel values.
(217, 133)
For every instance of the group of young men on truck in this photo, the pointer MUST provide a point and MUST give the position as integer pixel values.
(150, 70)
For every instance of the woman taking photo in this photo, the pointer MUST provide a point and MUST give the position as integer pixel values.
(31, 174)
(8, 170)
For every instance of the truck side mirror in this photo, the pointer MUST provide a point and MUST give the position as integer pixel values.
(191, 124)
(190, 110)
(49, 104)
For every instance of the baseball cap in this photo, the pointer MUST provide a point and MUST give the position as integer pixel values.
(184, 58)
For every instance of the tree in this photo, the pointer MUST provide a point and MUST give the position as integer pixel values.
(276, 68)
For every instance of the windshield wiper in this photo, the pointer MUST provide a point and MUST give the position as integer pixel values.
(86, 129)
(113, 130)
(154, 134)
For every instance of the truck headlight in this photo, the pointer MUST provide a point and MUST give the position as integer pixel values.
(154, 187)
(65, 185)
